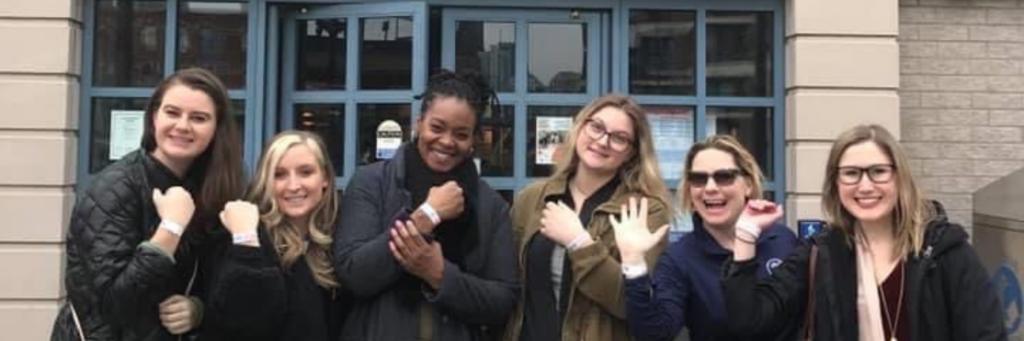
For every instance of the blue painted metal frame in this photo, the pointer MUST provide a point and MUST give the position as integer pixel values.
(520, 98)
(351, 96)
(701, 101)
(248, 94)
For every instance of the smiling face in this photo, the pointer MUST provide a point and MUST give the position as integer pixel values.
(299, 183)
(869, 201)
(184, 125)
(446, 133)
(718, 189)
(595, 142)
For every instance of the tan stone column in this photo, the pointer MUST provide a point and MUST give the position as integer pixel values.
(842, 69)
(39, 92)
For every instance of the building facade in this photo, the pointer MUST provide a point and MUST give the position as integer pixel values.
(786, 76)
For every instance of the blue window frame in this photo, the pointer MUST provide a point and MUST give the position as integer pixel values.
(100, 92)
(715, 90)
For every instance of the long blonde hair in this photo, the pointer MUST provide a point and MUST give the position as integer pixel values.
(640, 173)
(289, 239)
(912, 210)
(743, 159)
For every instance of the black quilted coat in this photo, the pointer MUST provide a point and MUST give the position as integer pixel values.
(115, 283)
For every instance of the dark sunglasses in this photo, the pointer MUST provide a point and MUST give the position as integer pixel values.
(722, 177)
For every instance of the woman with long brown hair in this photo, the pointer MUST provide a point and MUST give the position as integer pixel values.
(132, 247)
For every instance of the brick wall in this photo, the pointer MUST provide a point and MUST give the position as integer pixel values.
(962, 95)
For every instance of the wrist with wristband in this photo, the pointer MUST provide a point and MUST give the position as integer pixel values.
(245, 238)
(172, 227)
(431, 213)
(578, 241)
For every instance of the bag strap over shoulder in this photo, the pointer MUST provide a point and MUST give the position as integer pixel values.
(808, 333)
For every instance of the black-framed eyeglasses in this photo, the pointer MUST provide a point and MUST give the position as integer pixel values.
(618, 140)
(879, 174)
(722, 177)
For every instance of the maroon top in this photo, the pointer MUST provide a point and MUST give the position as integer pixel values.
(891, 289)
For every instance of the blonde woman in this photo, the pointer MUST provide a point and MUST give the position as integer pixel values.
(721, 177)
(890, 267)
(568, 262)
(274, 280)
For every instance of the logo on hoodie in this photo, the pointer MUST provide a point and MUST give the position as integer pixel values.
(771, 264)
(1007, 284)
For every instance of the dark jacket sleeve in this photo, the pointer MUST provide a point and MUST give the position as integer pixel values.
(488, 297)
(362, 260)
(657, 308)
(105, 255)
(973, 305)
(781, 244)
(248, 295)
(757, 307)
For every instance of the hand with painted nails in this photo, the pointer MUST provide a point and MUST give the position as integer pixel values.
(415, 254)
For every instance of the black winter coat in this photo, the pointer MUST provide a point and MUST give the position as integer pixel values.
(115, 283)
(948, 292)
(472, 300)
(252, 298)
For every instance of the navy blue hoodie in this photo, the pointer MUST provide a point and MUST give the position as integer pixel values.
(686, 289)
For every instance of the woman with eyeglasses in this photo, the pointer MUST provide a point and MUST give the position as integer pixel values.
(685, 290)
(568, 262)
(890, 267)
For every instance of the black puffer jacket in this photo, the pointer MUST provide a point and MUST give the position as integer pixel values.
(949, 297)
(114, 281)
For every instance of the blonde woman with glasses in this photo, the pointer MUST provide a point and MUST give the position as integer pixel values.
(568, 262)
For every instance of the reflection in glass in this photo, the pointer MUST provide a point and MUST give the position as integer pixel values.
(751, 126)
(213, 35)
(326, 120)
(489, 49)
(497, 146)
(99, 144)
(672, 130)
(238, 117)
(129, 46)
(371, 116)
(545, 135)
(739, 54)
(558, 62)
(322, 49)
(662, 52)
(386, 55)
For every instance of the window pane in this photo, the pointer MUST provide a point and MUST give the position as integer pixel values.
(386, 55)
(558, 60)
(489, 49)
(213, 35)
(238, 116)
(662, 52)
(370, 117)
(127, 129)
(752, 127)
(739, 54)
(328, 121)
(548, 128)
(322, 55)
(672, 129)
(129, 47)
(497, 145)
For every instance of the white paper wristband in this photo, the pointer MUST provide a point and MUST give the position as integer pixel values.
(749, 227)
(172, 227)
(633, 271)
(244, 237)
(577, 242)
(431, 213)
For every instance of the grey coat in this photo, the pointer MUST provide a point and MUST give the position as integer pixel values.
(472, 302)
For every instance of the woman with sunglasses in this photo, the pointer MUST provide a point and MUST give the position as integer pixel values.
(569, 265)
(685, 290)
(891, 266)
